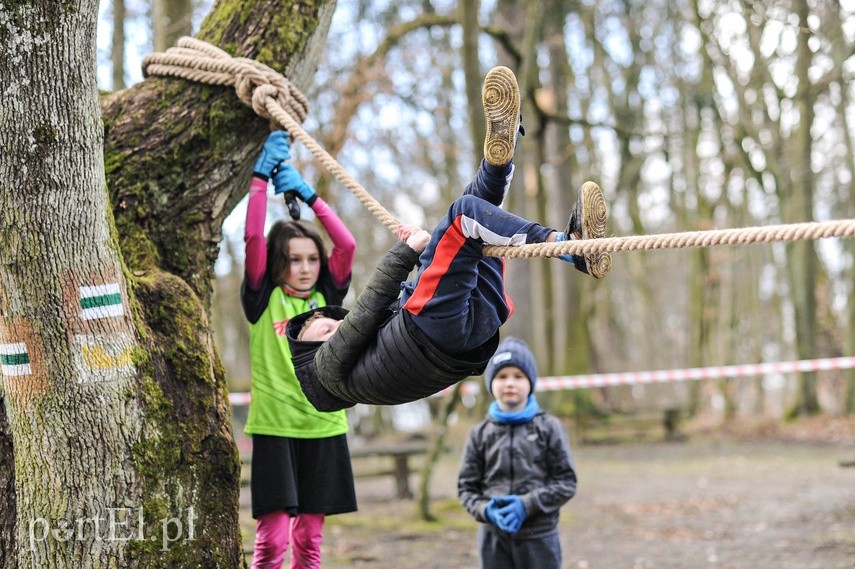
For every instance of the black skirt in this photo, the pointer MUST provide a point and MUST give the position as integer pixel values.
(301, 476)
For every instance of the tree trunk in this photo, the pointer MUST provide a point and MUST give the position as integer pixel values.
(8, 519)
(541, 295)
(846, 206)
(569, 332)
(436, 448)
(472, 74)
(114, 397)
(69, 367)
(802, 262)
(117, 46)
(509, 16)
(170, 20)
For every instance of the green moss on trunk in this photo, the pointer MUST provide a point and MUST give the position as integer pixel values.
(178, 158)
(187, 441)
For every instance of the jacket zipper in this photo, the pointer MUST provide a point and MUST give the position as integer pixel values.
(511, 457)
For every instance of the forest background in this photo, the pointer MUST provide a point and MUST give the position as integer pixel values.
(690, 115)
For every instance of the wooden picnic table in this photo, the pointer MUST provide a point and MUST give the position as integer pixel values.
(400, 454)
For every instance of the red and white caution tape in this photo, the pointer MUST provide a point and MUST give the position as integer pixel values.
(665, 376)
(239, 398)
(555, 383)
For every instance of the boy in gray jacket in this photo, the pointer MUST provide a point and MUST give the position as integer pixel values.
(517, 470)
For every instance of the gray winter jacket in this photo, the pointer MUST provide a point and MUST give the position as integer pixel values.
(531, 460)
(379, 356)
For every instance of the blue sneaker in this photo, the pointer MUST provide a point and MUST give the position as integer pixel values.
(501, 98)
(588, 221)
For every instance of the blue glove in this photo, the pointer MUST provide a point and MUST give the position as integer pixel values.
(561, 236)
(492, 512)
(276, 148)
(288, 179)
(510, 523)
(512, 514)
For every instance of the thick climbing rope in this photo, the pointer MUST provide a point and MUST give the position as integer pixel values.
(273, 97)
(708, 238)
(269, 94)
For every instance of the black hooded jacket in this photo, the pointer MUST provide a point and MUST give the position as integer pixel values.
(379, 356)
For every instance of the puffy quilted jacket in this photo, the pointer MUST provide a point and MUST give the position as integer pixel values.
(379, 356)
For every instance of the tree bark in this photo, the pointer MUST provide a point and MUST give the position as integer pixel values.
(8, 519)
(113, 393)
(117, 49)
(469, 10)
(170, 20)
(68, 370)
(802, 262)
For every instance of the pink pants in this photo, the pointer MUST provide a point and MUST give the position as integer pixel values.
(275, 530)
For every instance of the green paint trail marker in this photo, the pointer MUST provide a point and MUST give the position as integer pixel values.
(101, 301)
(14, 360)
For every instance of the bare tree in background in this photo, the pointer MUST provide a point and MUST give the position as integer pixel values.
(170, 20)
(117, 46)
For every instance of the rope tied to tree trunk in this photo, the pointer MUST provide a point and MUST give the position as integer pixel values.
(274, 97)
(254, 82)
(269, 94)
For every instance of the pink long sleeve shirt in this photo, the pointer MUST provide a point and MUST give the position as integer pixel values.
(344, 245)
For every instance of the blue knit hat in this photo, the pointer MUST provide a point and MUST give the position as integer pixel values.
(511, 352)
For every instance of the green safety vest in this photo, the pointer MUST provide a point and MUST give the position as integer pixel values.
(278, 406)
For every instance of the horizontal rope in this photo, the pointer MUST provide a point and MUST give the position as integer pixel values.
(743, 236)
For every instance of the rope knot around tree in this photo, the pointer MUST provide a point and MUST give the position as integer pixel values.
(272, 96)
(254, 82)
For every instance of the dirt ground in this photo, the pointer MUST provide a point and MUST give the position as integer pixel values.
(756, 497)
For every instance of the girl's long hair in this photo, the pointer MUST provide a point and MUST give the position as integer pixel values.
(278, 252)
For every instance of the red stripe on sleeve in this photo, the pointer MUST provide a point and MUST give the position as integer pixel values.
(508, 301)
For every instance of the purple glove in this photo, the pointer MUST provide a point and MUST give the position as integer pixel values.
(276, 148)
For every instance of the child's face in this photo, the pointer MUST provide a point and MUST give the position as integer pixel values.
(304, 263)
(511, 389)
(320, 329)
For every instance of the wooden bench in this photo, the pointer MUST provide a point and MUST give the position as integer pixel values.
(400, 454)
(616, 427)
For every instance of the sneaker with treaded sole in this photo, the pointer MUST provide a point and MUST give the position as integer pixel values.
(501, 98)
(588, 221)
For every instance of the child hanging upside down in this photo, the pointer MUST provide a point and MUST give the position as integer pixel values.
(445, 325)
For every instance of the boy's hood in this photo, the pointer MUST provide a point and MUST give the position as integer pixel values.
(303, 350)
